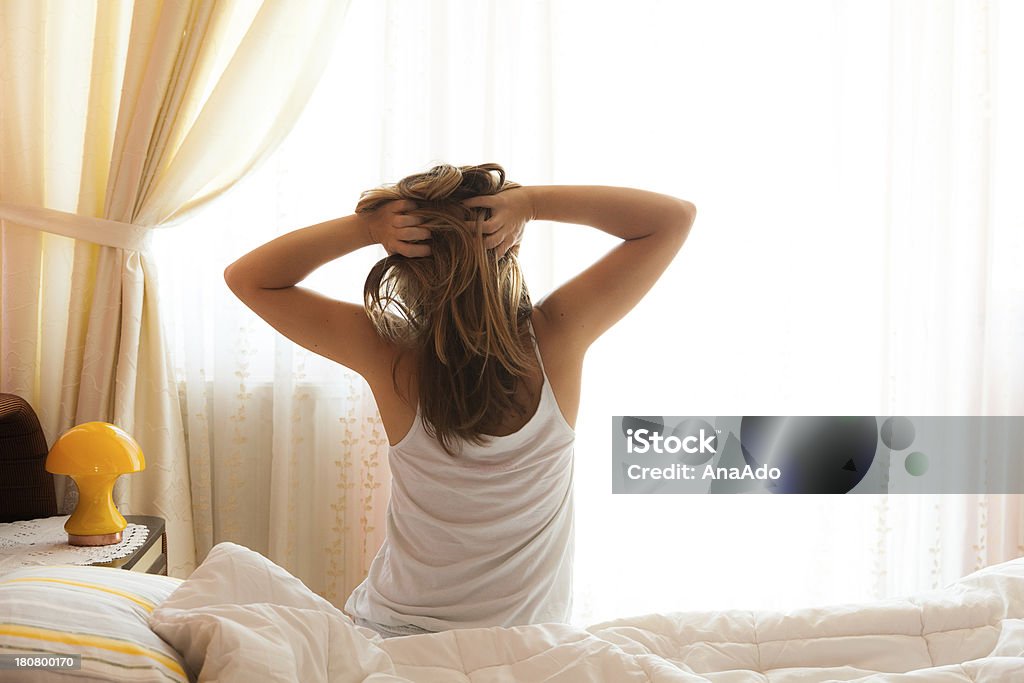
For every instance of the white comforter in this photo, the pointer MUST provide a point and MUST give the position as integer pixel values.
(239, 617)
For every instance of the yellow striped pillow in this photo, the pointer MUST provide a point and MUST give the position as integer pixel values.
(97, 612)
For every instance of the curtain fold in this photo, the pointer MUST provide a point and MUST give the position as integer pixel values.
(159, 130)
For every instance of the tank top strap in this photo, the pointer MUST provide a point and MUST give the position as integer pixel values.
(548, 400)
(536, 348)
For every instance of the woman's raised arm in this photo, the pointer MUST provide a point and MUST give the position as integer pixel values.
(266, 280)
(653, 228)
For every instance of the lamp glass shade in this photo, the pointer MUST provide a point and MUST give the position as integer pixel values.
(94, 455)
(95, 448)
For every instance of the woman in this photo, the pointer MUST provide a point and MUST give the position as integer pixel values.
(477, 387)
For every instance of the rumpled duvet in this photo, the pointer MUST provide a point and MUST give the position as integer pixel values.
(239, 617)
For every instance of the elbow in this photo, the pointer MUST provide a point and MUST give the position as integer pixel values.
(242, 281)
(683, 221)
(233, 279)
(689, 210)
(229, 276)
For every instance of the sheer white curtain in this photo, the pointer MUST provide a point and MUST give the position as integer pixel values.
(854, 168)
(117, 118)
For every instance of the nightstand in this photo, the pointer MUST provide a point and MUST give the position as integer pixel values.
(43, 541)
(151, 557)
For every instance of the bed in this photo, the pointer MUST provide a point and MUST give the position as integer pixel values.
(239, 617)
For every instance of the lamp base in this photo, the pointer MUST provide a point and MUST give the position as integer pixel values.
(100, 539)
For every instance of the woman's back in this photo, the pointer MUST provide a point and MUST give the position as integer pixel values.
(562, 369)
(481, 539)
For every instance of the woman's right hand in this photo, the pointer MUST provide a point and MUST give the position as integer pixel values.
(511, 210)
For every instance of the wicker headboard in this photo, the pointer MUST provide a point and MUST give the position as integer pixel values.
(26, 488)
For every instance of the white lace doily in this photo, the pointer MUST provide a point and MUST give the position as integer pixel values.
(44, 541)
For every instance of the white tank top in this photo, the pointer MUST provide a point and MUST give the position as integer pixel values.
(482, 539)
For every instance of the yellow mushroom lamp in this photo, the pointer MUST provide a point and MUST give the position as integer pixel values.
(95, 454)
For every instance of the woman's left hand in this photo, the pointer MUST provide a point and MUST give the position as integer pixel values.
(396, 231)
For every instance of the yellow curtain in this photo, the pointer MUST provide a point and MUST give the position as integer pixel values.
(117, 118)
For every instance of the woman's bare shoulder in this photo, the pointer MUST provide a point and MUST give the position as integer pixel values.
(562, 364)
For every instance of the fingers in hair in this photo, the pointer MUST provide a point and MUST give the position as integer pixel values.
(482, 201)
(400, 205)
(412, 234)
(406, 220)
(493, 240)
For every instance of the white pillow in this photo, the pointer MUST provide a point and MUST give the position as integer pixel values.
(100, 613)
(240, 617)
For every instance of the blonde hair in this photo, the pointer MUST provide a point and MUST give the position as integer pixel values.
(462, 311)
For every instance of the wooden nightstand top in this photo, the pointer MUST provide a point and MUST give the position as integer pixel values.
(43, 541)
(155, 561)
